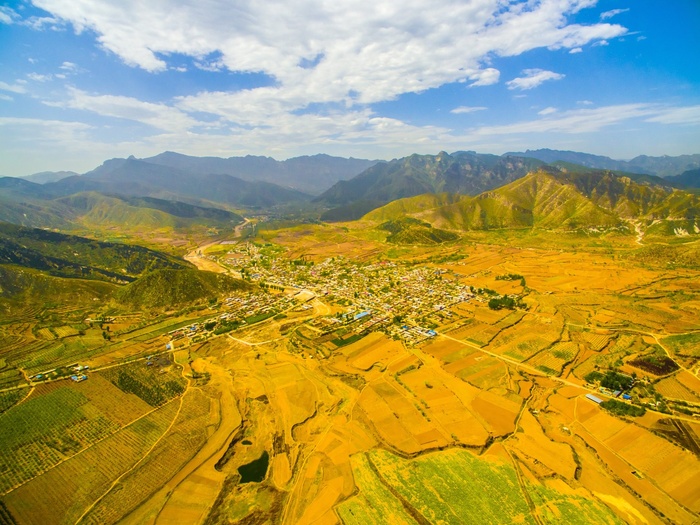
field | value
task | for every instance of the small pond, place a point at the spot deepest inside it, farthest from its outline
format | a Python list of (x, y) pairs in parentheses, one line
[(254, 472)]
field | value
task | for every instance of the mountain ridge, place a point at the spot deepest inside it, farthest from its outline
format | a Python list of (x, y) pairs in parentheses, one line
[(464, 173), (551, 201)]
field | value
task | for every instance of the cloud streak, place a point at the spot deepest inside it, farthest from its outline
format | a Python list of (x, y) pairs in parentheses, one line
[(533, 78), (578, 121), (467, 109), (613, 12)]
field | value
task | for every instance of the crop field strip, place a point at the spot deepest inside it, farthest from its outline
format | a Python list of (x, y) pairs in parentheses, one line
[(54, 426), (41, 432), (186, 435), (61, 494)]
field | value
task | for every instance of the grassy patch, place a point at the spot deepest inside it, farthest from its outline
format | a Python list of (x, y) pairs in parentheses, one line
[(455, 487), (259, 317), (348, 341), (685, 344)]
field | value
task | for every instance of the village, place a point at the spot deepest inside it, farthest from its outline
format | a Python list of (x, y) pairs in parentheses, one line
[(409, 301)]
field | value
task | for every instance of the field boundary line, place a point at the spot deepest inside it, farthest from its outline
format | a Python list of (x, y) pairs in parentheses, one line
[(88, 447), (145, 455)]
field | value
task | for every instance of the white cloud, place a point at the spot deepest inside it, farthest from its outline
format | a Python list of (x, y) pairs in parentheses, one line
[(57, 131), (613, 12), (576, 50), (39, 23), (7, 15), (160, 116), (676, 115), (369, 54), (38, 77), (584, 102), (467, 109), (533, 78), (485, 77), (12, 88), (68, 66), (547, 111), (6, 97)]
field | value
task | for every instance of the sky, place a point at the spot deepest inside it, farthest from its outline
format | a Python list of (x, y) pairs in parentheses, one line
[(82, 81)]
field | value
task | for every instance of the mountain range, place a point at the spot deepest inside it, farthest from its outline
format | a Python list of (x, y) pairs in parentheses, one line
[(663, 166), (307, 174), (554, 200), (462, 172), (470, 173), (176, 191)]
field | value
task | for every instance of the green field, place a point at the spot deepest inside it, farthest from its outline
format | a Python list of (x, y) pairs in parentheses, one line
[(455, 486), (11, 398), (61, 494), (374, 503), (42, 431), (556, 507), (443, 487), (686, 344)]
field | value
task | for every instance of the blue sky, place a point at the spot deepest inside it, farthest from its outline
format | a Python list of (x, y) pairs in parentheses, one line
[(82, 81)]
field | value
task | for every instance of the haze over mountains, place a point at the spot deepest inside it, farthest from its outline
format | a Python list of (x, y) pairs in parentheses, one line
[(663, 166)]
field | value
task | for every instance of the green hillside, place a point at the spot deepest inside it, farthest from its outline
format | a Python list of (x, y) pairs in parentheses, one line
[(408, 230), (72, 256), (176, 288), (635, 199), (574, 199), (537, 200), (400, 208), (25, 286), (96, 210), (28, 204)]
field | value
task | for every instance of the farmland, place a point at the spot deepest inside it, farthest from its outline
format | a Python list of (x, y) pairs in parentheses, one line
[(376, 380)]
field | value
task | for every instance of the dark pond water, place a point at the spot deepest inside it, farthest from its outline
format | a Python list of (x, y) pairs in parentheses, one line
[(254, 472)]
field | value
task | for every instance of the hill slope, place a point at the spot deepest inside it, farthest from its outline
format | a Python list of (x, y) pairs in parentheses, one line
[(569, 200), (463, 172), (72, 256), (688, 179), (632, 200), (408, 230), (169, 288), (94, 209), (537, 200), (22, 286)]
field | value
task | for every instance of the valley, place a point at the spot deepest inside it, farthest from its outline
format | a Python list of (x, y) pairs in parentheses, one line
[(524, 354), (349, 263), (358, 367)]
